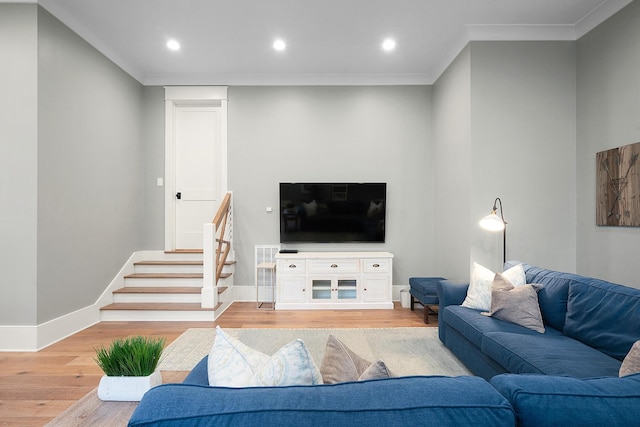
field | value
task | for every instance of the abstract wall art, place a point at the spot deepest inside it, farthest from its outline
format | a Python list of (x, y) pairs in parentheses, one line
[(618, 186)]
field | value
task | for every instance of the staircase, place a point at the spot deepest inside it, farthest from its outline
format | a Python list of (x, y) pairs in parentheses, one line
[(167, 289)]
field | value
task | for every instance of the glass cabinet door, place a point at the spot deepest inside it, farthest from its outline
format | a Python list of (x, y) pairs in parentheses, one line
[(347, 289), (321, 289)]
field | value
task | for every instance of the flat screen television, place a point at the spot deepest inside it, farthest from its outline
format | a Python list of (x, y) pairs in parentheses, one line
[(332, 212)]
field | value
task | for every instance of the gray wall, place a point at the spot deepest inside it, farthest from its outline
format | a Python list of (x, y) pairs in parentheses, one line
[(153, 162), (90, 198), (505, 127), (523, 151), (296, 134), (73, 174), (18, 164), (452, 168), (608, 117)]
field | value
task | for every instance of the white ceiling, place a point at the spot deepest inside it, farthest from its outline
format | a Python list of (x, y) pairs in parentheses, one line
[(228, 42)]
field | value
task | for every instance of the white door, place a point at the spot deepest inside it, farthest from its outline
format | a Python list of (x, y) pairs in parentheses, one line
[(197, 134), (195, 161)]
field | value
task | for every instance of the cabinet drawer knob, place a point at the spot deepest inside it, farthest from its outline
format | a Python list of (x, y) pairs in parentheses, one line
[(293, 266), (376, 265), (334, 265)]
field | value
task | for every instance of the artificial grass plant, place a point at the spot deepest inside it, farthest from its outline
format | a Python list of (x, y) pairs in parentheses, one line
[(134, 356)]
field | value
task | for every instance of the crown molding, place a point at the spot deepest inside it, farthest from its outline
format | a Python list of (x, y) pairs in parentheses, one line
[(603, 12), (287, 79), (71, 20)]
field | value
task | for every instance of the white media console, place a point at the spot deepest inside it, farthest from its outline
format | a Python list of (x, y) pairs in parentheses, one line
[(334, 280)]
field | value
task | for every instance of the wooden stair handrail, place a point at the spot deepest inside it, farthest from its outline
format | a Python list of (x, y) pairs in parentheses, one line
[(221, 223), (223, 210)]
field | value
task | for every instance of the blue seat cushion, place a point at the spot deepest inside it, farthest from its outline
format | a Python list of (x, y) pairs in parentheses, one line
[(473, 326), (441, 401), (550, 353), (541, 400), (424, 289)]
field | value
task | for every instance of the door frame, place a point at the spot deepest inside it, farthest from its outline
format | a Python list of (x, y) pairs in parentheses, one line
[(193, 96)]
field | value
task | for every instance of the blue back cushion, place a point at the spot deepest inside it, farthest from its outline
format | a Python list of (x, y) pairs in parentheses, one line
[(553, 297), (603, 315), (541, 400)]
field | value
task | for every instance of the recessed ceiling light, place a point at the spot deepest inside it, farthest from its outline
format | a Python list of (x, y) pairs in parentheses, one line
[(279, 45), (388, 45), (173, 45)]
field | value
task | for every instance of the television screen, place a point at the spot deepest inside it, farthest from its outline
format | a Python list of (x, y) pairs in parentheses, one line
[(332, 212)]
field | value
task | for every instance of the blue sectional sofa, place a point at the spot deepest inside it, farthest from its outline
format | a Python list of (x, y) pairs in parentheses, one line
[(440, 401), (566, 377), (508, 400), (590, 325)]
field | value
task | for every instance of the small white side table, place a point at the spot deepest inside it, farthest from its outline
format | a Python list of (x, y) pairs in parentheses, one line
[(266, 286)]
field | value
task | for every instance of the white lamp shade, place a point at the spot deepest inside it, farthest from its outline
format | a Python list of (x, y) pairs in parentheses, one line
[(492, 222)]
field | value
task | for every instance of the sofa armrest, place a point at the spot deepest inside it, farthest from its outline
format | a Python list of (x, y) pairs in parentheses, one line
[(551, 400), (451, 292)]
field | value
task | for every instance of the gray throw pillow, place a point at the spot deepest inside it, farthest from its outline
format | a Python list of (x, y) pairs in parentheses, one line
[(340, 364), (631, 363), (517, 305), (377, 369)]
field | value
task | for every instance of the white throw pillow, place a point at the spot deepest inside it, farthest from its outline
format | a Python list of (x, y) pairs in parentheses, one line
[(233, 364), (479, 292), (291, 365)]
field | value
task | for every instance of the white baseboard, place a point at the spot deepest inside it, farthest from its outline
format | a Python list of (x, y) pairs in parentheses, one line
[(35, 338), (118, 280), (67, 325), (244, 293), (18, 338)]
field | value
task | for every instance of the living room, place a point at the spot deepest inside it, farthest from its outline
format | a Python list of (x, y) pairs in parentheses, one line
[(520, 120)]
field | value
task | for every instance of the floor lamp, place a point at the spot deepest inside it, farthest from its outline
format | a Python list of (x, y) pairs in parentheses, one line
[(493, 222)]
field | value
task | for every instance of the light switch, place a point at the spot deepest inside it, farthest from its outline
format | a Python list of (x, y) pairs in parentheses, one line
[(159, 182), (269, 209)]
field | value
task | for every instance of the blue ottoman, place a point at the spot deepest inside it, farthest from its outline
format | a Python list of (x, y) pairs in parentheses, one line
[(423, 290)]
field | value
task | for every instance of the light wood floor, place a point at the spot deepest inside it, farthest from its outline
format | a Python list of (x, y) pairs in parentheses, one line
[(36, 387)]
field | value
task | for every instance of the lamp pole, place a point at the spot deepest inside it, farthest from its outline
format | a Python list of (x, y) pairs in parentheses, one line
[(504, 230), (494, 223)]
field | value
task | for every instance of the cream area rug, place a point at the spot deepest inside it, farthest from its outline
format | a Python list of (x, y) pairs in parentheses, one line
[(406, 351)]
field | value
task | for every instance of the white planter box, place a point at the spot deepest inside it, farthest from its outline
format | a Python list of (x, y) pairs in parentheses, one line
[(127, 389)]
